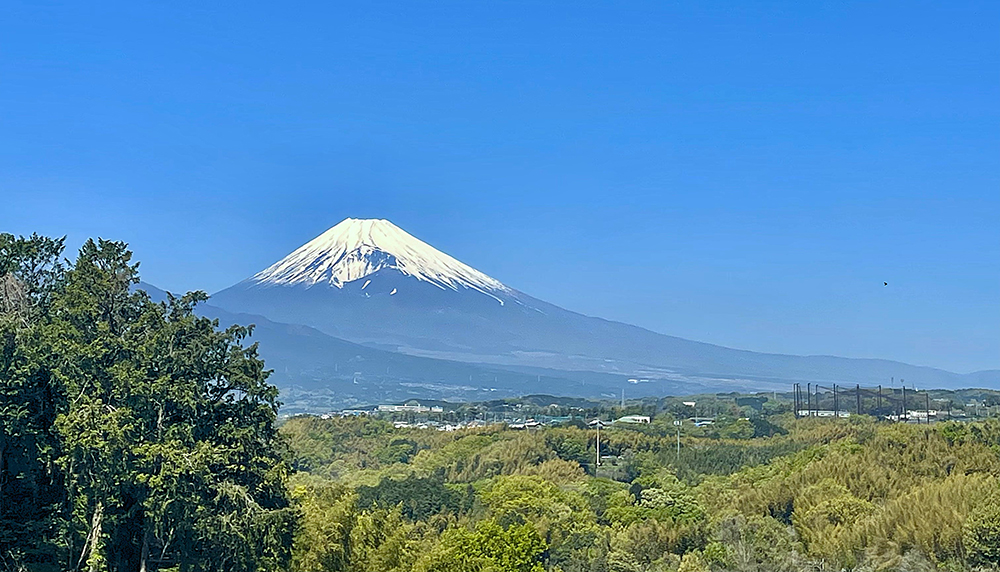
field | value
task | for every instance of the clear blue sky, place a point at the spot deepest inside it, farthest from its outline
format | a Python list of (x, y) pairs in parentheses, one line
[(748, 176)]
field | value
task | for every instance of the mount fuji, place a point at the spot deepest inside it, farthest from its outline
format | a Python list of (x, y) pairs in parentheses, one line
[(371, 283)]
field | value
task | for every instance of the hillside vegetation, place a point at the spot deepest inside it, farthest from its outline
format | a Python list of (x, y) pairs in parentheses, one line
[(818, 495)]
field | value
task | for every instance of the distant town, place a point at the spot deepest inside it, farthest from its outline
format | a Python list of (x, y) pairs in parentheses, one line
[(698, 412)]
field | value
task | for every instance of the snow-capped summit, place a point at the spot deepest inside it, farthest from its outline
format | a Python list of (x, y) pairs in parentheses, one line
[(355, 249)]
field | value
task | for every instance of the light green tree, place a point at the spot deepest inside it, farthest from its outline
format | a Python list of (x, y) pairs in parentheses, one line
[(488, 548)]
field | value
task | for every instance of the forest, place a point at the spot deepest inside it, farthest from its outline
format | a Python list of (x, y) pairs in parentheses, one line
[(138, 436), (814, 495)]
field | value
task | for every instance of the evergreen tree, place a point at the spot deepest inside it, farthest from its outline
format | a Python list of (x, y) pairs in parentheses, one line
[(154, 430), (31, 491)]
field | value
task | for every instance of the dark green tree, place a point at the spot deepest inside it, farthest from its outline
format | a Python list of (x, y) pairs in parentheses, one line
[(418, 497), (170, 453), (147, 434), (31, 491)]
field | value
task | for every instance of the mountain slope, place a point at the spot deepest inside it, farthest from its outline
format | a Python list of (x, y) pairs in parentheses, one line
[(372, 283), (317, 372)]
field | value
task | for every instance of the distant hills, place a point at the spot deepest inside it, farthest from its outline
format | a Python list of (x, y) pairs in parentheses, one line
[(367, 302), (318, 372)]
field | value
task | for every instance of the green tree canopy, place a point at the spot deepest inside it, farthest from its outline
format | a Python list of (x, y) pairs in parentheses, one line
[(158, 428)]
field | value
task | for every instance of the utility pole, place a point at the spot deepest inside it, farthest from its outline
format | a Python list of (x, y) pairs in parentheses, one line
[(677, 424), (597, 423), (903, 415), (598, 445), (857, 393), (809, 397), (927, 406), (836, 403), (878, 413)]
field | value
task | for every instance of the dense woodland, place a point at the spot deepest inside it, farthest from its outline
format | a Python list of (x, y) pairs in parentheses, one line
[(133, 435), (815, 495), (137, 436)]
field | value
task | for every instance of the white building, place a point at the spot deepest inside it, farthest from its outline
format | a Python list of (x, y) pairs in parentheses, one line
[(823, 413), (633, 419), (410, 408)]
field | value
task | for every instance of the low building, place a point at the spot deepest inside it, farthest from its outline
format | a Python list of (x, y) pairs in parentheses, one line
[(918, 415), (823, 413), (409, 408), (633, 419)]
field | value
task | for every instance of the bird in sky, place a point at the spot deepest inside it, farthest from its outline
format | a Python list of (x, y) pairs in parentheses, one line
[(885, 283)]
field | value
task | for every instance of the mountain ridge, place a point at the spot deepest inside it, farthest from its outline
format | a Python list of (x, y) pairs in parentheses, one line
[(318, 372), (393, 305)]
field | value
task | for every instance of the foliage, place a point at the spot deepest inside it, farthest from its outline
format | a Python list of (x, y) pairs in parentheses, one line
[(418, 497), (488, 548), (981, 534), (152, 432), (814, 495)]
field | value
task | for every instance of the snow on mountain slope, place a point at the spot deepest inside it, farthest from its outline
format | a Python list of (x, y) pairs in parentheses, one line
[(356, 249)]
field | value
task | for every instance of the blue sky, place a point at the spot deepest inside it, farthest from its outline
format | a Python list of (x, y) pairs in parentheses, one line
[(747, 174)]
